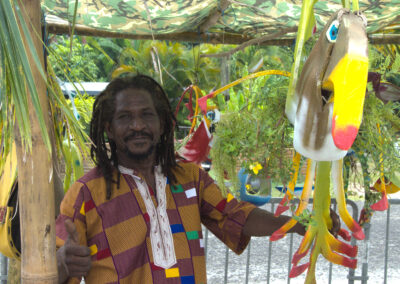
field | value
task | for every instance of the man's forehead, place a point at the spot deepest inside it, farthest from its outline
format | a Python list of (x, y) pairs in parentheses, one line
[(132, 99), (133, 96)]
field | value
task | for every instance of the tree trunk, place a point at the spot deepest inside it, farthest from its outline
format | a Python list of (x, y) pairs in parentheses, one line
[(36, 189)]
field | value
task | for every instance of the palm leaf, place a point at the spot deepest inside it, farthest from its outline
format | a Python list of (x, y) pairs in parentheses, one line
[(16, 79), (95, 44), (73, 27), (8, 78), (68, 125), (18, 74)]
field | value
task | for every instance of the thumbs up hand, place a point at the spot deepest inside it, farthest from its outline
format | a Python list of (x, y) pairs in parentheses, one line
[(73, 260)]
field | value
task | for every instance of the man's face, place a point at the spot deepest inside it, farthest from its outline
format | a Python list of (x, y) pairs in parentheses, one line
[(135, 127)]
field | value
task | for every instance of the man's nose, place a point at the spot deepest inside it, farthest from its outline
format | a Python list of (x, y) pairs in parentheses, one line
[(137, 123)]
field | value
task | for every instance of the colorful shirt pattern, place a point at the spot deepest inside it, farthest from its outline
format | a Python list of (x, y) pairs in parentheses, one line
[(117, 231)]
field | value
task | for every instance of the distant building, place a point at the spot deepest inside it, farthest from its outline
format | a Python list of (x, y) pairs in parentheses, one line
[(89, 88)]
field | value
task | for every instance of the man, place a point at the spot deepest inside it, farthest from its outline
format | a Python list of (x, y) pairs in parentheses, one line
[(136, 217)]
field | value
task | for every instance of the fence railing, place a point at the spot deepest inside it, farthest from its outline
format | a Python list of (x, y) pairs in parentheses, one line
[(218, 255), (3, 269), (268, 272)]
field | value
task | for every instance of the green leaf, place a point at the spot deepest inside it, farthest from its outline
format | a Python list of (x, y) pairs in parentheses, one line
[(23, 62)]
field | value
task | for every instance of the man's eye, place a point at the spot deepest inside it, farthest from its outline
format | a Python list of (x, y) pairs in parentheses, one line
[(123, 116)]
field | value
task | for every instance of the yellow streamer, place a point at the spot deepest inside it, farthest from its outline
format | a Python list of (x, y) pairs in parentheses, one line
[(251, 76), (383, 187)]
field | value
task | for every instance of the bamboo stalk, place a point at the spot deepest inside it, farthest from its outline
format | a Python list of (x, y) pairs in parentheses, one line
[(62, 27), (36, 190), (254, 41), (214, 38), (384, 39)]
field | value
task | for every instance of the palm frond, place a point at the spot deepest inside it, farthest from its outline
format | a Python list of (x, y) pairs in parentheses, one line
[(17, 73), (17, 83)]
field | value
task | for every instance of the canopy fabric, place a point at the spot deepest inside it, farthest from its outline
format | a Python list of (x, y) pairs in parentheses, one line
[(252, 18)]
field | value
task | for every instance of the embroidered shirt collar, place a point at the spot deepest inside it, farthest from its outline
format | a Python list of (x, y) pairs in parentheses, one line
[(131, 172), (161, 238)]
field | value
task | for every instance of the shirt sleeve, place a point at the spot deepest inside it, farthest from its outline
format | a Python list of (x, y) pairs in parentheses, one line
[(72, 208), (225, 217)]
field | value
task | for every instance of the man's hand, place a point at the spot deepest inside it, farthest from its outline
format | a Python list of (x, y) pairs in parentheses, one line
[(73, 260), (301, 229), (335, 223)]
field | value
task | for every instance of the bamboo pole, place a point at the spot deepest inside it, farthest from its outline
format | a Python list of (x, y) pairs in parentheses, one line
[(254, 41), (62, 27), (36, 190), (214, 38)]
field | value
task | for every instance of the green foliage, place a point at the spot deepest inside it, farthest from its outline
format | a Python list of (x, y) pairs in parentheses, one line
[(253, 128), (84, 106), (376, 146), (274, 57), (17, 83), (17, 80), (369, 140), (384, 60), (67, 128), (83, 62), (306, 217), (74, 163), (386, 116)]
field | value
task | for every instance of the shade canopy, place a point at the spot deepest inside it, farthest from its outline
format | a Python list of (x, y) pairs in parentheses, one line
[(214, 21)]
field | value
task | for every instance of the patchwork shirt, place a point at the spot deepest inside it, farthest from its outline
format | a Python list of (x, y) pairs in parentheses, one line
[(129, 241)]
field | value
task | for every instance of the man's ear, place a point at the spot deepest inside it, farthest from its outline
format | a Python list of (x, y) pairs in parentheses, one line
[(108, 130)]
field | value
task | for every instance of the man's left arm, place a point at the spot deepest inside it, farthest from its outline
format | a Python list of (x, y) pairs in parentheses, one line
[(263, 223)]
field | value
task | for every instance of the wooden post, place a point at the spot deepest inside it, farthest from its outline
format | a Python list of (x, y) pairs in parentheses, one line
[(35, 178)]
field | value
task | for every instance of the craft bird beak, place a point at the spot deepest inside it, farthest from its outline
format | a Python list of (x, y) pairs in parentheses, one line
[(346, 77)]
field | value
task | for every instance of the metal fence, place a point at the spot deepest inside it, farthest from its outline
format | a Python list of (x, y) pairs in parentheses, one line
[(243, 269), (376, 264), (3, 269)]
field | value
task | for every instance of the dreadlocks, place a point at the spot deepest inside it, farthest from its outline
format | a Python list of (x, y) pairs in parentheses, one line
[(103, 111)]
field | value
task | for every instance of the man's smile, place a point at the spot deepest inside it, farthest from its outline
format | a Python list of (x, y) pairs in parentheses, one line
[(138, 137)]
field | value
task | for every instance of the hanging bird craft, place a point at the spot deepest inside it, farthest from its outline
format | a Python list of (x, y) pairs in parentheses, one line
[(326, 111), (198, 145)]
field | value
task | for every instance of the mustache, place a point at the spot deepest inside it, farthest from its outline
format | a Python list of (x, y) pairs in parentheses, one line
[(137, 134)]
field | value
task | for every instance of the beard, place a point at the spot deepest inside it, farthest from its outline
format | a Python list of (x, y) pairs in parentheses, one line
[(141, 156)]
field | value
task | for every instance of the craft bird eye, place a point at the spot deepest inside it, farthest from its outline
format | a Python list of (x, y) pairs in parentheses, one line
[(214, 115), (332, 31)]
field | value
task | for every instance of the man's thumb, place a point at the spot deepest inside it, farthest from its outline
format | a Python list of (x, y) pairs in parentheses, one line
[(71, 230)]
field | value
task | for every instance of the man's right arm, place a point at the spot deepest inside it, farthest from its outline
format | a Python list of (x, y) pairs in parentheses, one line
[(73, 255)]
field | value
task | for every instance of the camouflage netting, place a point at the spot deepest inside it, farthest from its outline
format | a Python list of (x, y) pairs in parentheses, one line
[(249, 17)]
